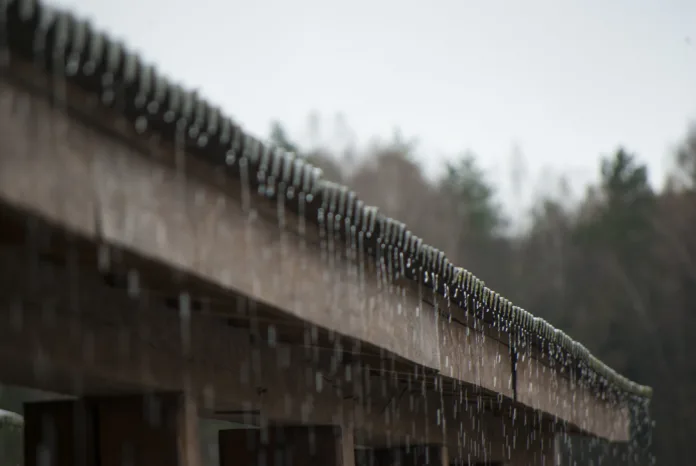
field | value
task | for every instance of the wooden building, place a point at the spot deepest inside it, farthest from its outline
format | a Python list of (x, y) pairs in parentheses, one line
[(161, 267)]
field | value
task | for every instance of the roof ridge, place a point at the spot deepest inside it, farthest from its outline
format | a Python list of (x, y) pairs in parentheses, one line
[(56, 40)]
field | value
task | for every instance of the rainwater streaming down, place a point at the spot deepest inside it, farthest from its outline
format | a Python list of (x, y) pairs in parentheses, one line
[(206, 298)]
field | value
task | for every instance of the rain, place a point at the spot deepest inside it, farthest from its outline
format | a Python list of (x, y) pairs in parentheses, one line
[(176, 290)]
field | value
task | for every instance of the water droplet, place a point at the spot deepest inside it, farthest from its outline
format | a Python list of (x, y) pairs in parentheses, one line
[(141, 124)]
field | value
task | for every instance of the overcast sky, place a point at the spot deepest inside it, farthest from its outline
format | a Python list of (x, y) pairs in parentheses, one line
[(565, 81)]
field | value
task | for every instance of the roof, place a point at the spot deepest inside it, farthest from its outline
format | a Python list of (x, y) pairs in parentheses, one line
[(71, 49)]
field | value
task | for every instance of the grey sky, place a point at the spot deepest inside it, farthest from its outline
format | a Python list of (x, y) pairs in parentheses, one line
[(566, 81)]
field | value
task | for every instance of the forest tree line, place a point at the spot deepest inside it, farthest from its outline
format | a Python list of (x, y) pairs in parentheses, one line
[(616, 270)]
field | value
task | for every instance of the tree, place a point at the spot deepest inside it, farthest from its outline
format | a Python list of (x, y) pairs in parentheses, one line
[(614, 264), (628, 204), (686, 159), (476, 221), (280, 138), (472, 198), (542, 262), (390, 179), (330, 168)]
